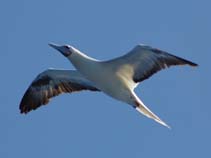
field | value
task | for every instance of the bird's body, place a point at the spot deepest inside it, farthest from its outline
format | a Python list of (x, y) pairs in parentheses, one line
[(99, 73), (117, 77)]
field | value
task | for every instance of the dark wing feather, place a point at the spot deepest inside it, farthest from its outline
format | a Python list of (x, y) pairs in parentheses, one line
[(51, 83), (156, 61)]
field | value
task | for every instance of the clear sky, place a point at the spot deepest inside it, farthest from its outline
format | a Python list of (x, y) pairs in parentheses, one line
[(90, 124)]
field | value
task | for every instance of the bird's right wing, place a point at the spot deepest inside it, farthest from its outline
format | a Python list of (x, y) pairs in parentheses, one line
[(144, 61), (51, 83)]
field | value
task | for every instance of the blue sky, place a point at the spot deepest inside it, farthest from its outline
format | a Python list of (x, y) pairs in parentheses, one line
[(91, 124)]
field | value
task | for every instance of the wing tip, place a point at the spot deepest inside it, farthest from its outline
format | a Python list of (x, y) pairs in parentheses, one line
[(24, 109), (23, 112), (194, 64), (191, 63)]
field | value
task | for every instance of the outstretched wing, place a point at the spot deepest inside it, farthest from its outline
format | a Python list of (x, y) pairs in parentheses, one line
[(143, 61), (51, 83)]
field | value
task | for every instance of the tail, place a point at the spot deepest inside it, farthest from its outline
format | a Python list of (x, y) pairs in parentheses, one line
[(140, 107)]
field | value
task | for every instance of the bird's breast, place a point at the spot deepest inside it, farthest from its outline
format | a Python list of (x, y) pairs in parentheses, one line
[(105, 77)]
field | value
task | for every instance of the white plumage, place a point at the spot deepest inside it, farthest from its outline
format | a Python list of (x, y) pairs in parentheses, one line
[(117, 77)]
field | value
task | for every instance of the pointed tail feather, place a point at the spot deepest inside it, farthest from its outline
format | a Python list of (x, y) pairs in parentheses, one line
[(147, 112)]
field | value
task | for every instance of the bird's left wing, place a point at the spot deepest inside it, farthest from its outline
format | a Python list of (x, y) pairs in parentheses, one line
[(143, 61), (51, 83)]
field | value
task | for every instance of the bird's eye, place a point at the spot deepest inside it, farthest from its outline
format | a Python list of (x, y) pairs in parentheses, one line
[(67, 47)]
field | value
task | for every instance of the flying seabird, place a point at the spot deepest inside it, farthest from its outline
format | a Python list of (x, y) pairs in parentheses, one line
[(117, 77)]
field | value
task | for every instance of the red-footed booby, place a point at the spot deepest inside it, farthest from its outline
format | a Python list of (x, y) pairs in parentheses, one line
[(117, 77)]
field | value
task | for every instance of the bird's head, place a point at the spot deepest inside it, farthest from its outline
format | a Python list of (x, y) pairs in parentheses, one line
[(66, 50)]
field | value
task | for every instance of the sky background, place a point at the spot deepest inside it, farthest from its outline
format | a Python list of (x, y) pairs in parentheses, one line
[(90, 124)]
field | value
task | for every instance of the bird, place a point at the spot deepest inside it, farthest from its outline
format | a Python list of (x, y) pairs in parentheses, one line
[(116, 77)]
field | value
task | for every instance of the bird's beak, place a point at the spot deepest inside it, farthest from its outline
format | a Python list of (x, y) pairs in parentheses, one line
[(55, 46), (61, 49)]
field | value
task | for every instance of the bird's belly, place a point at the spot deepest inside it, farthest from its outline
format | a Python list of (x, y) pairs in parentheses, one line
[(111, 83), (115, 88)]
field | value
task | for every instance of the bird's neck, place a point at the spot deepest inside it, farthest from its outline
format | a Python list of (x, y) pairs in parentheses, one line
[(81, 60)]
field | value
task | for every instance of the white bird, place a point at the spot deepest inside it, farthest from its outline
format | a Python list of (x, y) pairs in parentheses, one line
[(117, 77)]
